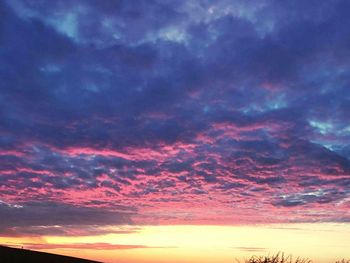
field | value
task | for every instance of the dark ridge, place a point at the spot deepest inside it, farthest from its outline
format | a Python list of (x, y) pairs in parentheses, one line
[(17, 255)]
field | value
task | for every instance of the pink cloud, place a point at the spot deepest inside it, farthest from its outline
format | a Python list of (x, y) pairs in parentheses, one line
[(94, 246)]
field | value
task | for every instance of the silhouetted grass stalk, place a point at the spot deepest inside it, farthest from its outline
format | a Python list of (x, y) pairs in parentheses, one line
[(281, 258)]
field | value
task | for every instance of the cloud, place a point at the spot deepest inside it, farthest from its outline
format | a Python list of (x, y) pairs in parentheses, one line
[(113, 113), (59, 219), (94, 246), (250, 249)]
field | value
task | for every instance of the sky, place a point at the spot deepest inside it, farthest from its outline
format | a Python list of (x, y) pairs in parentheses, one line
[(122, 119)]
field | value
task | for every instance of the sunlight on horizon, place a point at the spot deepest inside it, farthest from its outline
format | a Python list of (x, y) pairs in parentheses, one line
[(324, 242)]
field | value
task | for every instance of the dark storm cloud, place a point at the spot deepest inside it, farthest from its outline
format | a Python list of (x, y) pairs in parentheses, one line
[(132, 102)]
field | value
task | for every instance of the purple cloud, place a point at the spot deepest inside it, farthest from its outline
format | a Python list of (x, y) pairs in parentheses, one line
[(119, 113)]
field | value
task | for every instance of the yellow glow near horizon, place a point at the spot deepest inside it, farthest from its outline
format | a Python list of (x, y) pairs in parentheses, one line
[(186, 243)]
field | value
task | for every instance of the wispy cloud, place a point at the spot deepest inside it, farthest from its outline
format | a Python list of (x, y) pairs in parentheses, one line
[(94, 246), (250, 249)]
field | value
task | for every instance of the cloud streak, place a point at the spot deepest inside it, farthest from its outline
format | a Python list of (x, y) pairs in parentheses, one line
[(94, 246)]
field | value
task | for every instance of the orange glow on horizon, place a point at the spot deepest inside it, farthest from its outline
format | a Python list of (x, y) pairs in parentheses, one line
[(324, 242)]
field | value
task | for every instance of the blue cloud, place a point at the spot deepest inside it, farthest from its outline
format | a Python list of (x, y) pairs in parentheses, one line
[(174, 99)]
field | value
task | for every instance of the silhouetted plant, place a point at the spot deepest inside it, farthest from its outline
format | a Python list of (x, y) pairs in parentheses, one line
[(343, 261), (279, 258)]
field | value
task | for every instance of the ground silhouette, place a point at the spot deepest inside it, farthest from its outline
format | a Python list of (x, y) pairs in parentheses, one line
[(17, 255)]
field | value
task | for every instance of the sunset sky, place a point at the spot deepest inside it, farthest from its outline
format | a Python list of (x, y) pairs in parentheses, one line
[(175, 131)]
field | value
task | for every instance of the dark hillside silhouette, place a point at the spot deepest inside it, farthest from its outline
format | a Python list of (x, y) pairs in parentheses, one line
[(16, 255)]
